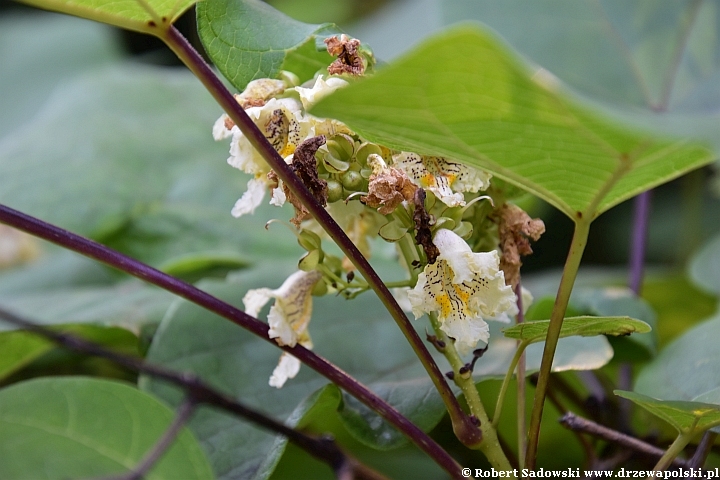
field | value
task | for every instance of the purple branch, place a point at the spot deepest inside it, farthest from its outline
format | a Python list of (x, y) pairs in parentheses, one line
[(115, 259), (467, 432), (641, 219)]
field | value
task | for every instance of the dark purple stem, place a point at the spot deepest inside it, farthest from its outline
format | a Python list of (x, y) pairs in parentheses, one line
[(641, 219), (468, 433), (115, 259)]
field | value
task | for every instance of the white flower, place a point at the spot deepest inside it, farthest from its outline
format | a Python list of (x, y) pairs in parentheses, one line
[(465, 289), (288, 318), (320, 90), (283, 123), (446, 179)]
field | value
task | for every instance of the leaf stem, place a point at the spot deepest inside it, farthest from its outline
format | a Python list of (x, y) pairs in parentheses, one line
[(521, 383), (189, 56), (110, 257), (572, 264), (674, 450), (506, 381), (490, 445)]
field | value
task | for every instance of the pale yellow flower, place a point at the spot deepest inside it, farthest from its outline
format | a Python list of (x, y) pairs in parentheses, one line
[(288, 318), (464, 289)]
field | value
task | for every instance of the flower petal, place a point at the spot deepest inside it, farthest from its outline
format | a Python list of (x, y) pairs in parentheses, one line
[(254, 300), (251, 199), (288, 367)]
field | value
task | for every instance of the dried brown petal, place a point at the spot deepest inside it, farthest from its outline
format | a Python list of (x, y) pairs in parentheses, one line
[(349, 60), (388, 189), (423, 235), (305, 167), (516, 229)]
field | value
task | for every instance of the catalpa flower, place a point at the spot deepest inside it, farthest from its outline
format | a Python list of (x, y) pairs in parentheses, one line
[(288, 318), (446, 179), (465, 289), (284, 125)]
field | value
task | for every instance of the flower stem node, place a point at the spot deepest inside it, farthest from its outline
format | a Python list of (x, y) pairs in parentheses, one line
[(288, 318), (465, 289)]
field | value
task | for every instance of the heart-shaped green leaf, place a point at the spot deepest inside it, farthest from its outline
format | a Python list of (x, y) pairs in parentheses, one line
[(146, 16), (584, 326), (73, 427), (464, 95), (248, 39), (686, 417)]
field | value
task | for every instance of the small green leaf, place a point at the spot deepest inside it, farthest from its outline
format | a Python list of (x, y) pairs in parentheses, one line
[(73, 427), (464, 95), (684, 416), (148, 16), (584, 326), (248, 39)]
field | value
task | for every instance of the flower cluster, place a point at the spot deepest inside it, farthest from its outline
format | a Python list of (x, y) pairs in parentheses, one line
[(372, 191)]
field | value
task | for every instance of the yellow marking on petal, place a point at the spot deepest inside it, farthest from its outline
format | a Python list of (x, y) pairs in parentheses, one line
[(461, 294), (428, 179), (445, 306), (288, 149)]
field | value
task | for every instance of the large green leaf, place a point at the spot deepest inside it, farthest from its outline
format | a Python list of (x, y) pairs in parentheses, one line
[(464, 95), (684, 416), (19, 348), (140, 15), (248, 39), (73, 427), (32, 46), (584, 326), (128, 153), (687, 367), (659, 58), (356, 335)]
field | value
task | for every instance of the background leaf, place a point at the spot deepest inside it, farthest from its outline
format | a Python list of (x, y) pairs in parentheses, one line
[(684, 369), (20, 348), (462, 95), (128, 153), (248, 39), (684, 416), (69, 427)]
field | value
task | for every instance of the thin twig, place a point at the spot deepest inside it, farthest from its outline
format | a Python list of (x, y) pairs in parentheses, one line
[(703, 450), (579, 424), (182, 415), (641, 217)]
